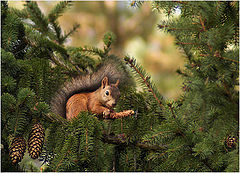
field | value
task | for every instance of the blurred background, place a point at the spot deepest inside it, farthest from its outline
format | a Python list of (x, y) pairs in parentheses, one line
[(137, 35)]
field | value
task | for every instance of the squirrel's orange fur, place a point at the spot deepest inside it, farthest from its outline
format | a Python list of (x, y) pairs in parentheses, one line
[(100, 101)]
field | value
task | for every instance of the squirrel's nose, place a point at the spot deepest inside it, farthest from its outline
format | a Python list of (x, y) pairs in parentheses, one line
[(114, 104)]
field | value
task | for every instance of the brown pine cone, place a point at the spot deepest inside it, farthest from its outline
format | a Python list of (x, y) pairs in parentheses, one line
[(231, 141), (36, 140), (17, 149)]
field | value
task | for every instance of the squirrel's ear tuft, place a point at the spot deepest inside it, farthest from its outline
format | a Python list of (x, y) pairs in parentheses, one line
[(104, 82), (116, 84)]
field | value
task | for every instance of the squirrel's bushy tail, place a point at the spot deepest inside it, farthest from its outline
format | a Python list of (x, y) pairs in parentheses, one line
[(86, 83)]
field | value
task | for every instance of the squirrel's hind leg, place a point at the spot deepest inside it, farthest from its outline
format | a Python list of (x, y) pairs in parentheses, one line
[(76, 104)]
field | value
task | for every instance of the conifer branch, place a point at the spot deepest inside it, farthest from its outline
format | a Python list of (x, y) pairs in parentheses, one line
[(163, 26), (86, 139), (181, 2), (37, 16), (182, 73), (174, 116), (170, 108), (58, 10), (202, 23), (16, 123), (204, 29), (110, 139), (58, 62), (183, 43), (145, 79), (57, 118), (92, 50), (227, 91), (155, 135), (169, 29), (136, 3), (175, 29), (20, 13), (117, 140), (75, 27), (59, 164), (58, 31), (224, 58)]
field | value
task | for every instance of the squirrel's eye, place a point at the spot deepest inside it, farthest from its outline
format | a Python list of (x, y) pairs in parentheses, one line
[(107, 92)]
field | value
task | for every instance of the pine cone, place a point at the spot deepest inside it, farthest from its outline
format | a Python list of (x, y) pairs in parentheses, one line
[(17, 149), (36, 140), (231, 141)]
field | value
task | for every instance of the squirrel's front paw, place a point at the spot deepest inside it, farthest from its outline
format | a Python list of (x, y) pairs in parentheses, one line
[(106, 113)]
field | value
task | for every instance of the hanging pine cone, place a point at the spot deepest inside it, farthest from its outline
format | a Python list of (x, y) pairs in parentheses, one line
[(17, 149), (231, 141), (35, 141)]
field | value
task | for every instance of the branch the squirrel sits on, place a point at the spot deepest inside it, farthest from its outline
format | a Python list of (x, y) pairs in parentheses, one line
[(97, 93)]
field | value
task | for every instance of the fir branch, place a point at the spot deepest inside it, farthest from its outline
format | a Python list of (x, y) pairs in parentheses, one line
[(77, 67), (181, 2), (20, 13), (180, 72), (58, 31), (108, 39), (204, 29), (37, 16), (91, 50), (34, 39), (183, 43), (117, 140), (157, 134), (58, 10), (217, 56), (202, 23), (175, 29), (110, 139), (75, 27), (57, 48), (171, 109), (136, 3), (20, 123), (164, 26), (55, 13), (60, 162), (170, 106), (56, 118), (86, 139), (145, 79), (56, 60)]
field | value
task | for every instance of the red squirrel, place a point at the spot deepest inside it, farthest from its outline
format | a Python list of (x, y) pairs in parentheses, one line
[(100, 101), (97, 93)]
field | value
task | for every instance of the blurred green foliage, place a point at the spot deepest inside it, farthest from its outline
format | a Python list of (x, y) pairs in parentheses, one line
[(136, 32)]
